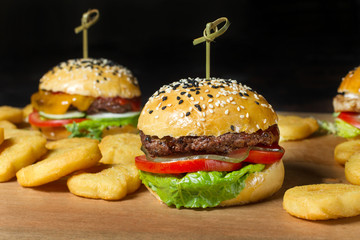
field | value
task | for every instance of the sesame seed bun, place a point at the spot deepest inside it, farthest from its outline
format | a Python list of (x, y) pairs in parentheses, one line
[(258, 186), (91, 77), (200, 107), (351, 82)]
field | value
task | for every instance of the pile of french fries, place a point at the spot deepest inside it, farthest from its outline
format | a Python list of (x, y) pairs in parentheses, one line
[(104, 170)]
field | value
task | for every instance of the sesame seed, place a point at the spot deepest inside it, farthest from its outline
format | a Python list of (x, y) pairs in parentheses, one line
[(232, 127), (257, 103), (211, 106), (202, 119), (210, 100), (196, 102), (198, 124), (242, 107), (197, 92), (238, 108), (187, 114), (192, 99), (206, 90), (181, 114), (151, 111), (163, 108), (226, 111), (247, 115), (211, 111), (217, 104), (169, 105), (204, 106), (246, 94), (189, 95), (182, 93), (257, 125), (156, 116), (181, 101), (198, 107), (264, 120), (264, 105), (242, 116), (217, 95), (201, 98), (210, 96), (204, 115), (178, 98)]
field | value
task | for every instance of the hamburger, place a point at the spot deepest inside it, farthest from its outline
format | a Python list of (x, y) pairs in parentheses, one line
[(347, 105), (209, 143), (86, 98)]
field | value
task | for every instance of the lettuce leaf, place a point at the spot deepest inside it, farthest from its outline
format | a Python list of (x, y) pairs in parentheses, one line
[(94, 128), (346, 130), (326, 127), (199, 189)]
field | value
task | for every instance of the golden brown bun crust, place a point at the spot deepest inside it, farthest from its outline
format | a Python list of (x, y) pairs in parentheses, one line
[(351, 82), (258, 186), (212, 110), (91, 77)]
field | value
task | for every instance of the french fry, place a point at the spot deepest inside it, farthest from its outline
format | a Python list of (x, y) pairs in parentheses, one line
[(120, 148), (323, 201), (19, 151), (352, 169), (296, 128), (65, 156), (11, 114), (8, 133), (345, 150), (112, 183), (26, 112), (1, 135), (117, 177), (7, 125)]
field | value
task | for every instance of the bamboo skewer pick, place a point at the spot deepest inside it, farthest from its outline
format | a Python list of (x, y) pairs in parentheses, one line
[(210, 33), (87, 20)]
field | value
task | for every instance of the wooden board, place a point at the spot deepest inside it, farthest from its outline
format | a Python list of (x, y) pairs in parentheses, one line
[(51, 212)]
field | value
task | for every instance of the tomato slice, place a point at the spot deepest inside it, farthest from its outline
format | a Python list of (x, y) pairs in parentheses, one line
[(135, 103), (35, 119), (351, 118), (195, 165), (264, 155)]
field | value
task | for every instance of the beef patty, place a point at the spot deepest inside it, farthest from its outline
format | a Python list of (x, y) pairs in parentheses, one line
[(108, 105), (222, 144)]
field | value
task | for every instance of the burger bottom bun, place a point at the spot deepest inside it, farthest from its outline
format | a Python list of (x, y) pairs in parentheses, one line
[(54, 133), (57, 133), (258, 186)]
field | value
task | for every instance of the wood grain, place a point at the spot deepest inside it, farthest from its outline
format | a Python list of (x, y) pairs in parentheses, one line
[(51, 212)]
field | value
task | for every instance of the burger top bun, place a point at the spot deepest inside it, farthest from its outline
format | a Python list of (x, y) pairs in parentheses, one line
[(351, 82), (91, 77), (200, 107)]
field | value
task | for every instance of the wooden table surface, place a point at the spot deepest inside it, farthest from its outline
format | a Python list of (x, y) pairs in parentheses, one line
[(51, 212)]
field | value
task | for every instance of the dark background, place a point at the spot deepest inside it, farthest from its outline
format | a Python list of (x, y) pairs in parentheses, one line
[(294, 53)]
